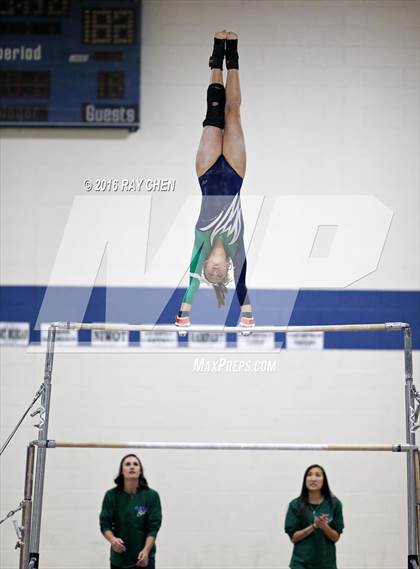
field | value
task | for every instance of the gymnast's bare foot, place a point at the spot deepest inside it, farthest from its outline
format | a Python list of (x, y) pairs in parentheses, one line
[(232, 57), (218, 55), (221, 35)]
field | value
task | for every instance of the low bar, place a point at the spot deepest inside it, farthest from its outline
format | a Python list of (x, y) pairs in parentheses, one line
[(400, 447), (387, 326)]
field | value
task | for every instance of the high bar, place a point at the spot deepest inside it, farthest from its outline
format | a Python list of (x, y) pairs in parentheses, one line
[(387, 326), (400, 447)]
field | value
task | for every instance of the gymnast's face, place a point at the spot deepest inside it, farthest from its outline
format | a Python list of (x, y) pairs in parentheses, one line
[(216, 267), (314, 479), (131, 468)]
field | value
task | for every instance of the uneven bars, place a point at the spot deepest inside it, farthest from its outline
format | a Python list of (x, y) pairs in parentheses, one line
[(387, 326), (400, 447)]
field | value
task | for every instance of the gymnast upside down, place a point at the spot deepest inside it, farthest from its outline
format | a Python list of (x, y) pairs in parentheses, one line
[(220, 166)]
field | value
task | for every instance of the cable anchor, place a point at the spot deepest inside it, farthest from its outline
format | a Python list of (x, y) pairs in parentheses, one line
[(12, 513)]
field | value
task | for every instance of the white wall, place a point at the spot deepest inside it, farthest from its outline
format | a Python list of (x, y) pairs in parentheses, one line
[(330, 94)]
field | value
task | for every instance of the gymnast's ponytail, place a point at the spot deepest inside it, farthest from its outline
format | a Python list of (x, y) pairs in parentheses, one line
[(220, 291)]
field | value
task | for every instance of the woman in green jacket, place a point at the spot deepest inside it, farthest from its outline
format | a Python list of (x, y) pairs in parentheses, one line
[(131, 517), (314, 522)]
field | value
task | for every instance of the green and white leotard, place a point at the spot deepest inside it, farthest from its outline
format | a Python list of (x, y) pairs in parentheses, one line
[(220, 219)]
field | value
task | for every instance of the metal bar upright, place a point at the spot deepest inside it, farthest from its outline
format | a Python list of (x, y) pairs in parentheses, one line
[(417, 469), (27, 507), (413, 559), (41, 454)]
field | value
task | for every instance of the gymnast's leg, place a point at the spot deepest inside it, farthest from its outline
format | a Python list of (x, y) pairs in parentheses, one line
[(210, 147), (235, 153), (233, 138)]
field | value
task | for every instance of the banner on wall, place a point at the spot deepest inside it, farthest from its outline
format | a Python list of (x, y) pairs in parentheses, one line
[(256, 341), (63, 338), (207, 340), (158, 340), (305, 340), (110, 338), (14, 333)]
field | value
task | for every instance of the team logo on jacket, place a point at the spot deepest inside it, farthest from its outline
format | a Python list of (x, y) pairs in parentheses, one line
[(140, 510)]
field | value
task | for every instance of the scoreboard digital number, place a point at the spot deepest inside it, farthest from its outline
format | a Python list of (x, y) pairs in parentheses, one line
[(70, 63)]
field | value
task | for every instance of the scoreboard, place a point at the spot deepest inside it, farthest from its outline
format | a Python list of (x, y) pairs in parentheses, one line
[(70, 63)]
